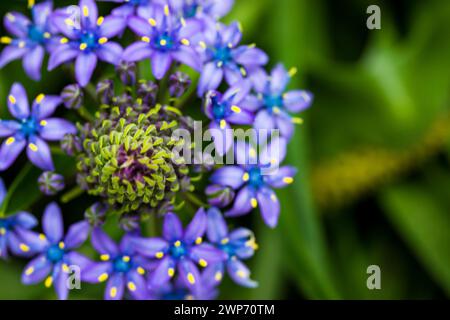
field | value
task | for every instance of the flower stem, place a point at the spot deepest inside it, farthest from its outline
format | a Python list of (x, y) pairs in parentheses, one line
[(192, 198), (74, 193), (16, 183), (85, 114)]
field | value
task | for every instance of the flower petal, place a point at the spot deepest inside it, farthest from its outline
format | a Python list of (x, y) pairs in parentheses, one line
[(115, 287), (240, 274), (242, 203), (210, 78), (213, 274), (24, 219), (110, 52), (103, 243), (208, 253), (33, 241), (84, 68), (251, 57), (196, 228), (8, 128), (136, 285), (11, 53), (264, 121), (172, 227), (222, 137), (52, 223), (41, 13), (60, 277), (139, 26), (269, 206), (16, 24), (18, 102), (46, 106), (217, 227), (89, 13), (39, 154), (2, 191), (32, 62), (96, 272), (273, 153), (189, 274), (279, 79), (189, 57), (77, 235), (112, 26), (36, 270), (149, 247), (163, 272), (137, 51), (232, 35), (55, 129), (297, 100), (231, 176), (61, 55), (9, 152), (77, 259), (161, 62)]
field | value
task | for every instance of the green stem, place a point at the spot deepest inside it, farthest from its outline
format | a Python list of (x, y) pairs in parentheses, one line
[(85, 114), (192, 198), (91, 91), (17, 181), (75, 192)]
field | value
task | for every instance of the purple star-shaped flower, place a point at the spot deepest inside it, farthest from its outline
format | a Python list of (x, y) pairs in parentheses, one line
[(273, 104), (224, 110), (30, 129), (180, 251), (224, 57), (237, 245), (9, 228), (86, 41), (164, 38), (55, 252), (31, 38), (254, 177), (214, 9), (122, 267)]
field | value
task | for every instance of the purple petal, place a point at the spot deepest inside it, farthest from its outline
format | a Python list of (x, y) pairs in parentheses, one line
[(298, 100), (210, 78), (139, 26), (84, 67), (113, 26), (36, 270), (61, 55), (243, 117), (208, 253), (89, 13), (2, 191), (39, 154), (79, 260), (279, 79), (213, 274), (25, 220), (55, 129), (16, 24), (58, 21), (96, 272), (269, 206), (196, 228), (137, 51), (44, 108), (52, 223), (41, 13), (240, 273), (242, 203), (251, 57), (103, 243), (189, 274), (161, 62), (245, 154), (33, 240), (110, 52), (172, 227), (189, 57), (260, 79), (284, 123), (8, 128), (220, 8), (231, 176), (32, 62), (217, 227), (77, 235), (232, 34), (222, 137), (9, 152), (115, 287), (233, 75), (149, 247), (136, 285), (18, 102), (281, 178), (274, 153), (11, 53), (163, 272), (125, 10), (251, 103), (264, 121), (60, 282)]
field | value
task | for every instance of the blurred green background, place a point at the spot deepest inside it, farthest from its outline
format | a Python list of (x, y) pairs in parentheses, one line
[(373, 155)]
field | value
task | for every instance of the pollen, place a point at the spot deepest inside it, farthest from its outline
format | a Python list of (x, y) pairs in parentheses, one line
[(177, 243), (61, 245), (297, 120), (64, 40), (225, 241), (5, 40), (163, 42), (185, 42), (152, 22), (236, 109), (83, 46), (223, 124), (254, 202), (104, 257), (146, 39), (65, 268), (42, 237), (85, 11), (292, 72), (126, 259), (191, 278), (103, 40), (48, 282), (203, 263), (218, 276), (288, 180), (159, 255), (2, 231), (103, 277), (39, 98), (69, 22), (113, 292), (166, 10), (140, 270), (100, 20), (241, 274), (29, 271), (246, 177), (47, 35), (12, 99), (10, 17), (24, 247), (171, 272), (131, 286), (10, 140), (199, 240)]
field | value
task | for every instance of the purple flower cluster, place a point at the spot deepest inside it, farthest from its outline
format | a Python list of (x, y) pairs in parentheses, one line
[(185, 262)]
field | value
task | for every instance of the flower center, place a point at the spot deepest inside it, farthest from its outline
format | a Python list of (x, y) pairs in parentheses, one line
[(138, 2), (5, 225), (178, 250), (90, 39), (55, 253), (272, 102), (220, 110), (255, 178), (29, 127), (228, 249), (35, 34), (122, 264), (223, 55), (164, 42)]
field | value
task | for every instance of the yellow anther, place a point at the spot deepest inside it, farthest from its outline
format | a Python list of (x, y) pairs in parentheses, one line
[(113, 292), (131, 286), (40, 97), (218, 276), (30, 4), (152, 22), (185, 42), (104, 257), (199, 240), (65, 268), (103, 277), (203, 263), (166, 10), (163, 42), (83, 46), (47, 35), (29, 271), (177, 243), (69, 22), (225, 241), (12, 99), (10, 17), (64, 40), (252, 152), (42, 237), (48, 282), (276, 110), (10, 140), (61, 245), (100, 20), (2, 231), (236, 109), (241, 274), (202, 44), (24, 247), (296, 120), (146, 39), (288, 180), (246, 177), (22, 44), (5, 40), (140, 270), (254, 202), (191, 278), (159, 255), (171, 272), (85, 11), (292, 72), (103, 40), (243, 71), (126, 259), (223, 124)]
